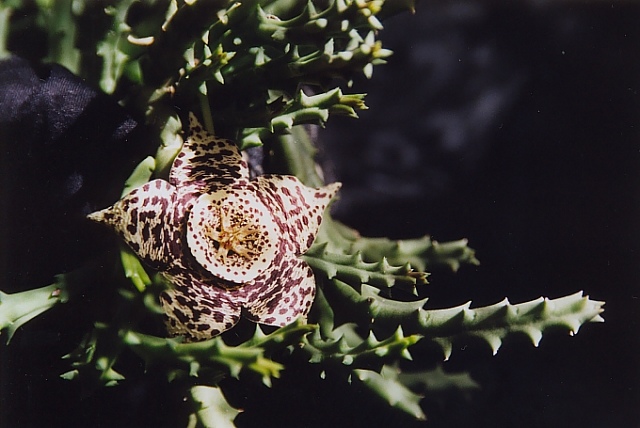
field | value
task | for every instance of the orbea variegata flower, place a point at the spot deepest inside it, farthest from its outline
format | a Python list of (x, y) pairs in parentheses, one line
[(227, 243)]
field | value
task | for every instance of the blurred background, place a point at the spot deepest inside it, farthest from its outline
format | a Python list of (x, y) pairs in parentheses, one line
[(513, 124)]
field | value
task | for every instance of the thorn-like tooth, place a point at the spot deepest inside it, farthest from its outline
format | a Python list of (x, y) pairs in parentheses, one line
[(468, 314), (370, 38), (375, 23), (446, 346), (321, 23), (495, 342), (311, 8), (368, 70), (266, 380), (99, 216), (574, 325), (406, 354), (329, 47), (535, 335)]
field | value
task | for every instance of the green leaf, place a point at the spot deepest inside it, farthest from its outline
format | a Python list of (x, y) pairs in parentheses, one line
[(351, 268), (215, 358), (114, 61), (423, 253), (490, 323), (493, 323), (436, 382), (386, 386), (133, 269), (62, 28), (212, 409), (170, 146), (114, 49), (140, 175), (345, 346), (303, 109), (93, 359), (16, 309), (165, 57), (5, 16)]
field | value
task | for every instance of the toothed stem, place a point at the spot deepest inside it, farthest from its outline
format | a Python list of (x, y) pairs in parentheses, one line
[(351, 268), (16, 309), (491, 323)]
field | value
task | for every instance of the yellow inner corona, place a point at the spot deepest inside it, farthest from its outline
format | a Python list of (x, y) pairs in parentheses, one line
[(235, 235)]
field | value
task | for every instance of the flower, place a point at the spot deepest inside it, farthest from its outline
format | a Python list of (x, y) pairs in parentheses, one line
[(228, 244)]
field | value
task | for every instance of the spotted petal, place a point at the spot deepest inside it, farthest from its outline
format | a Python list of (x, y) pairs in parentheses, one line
[(205, 162), (297, 209), (148, 220), (281, 296), (198, 310)]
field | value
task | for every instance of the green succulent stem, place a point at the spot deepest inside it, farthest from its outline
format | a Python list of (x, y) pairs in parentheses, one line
[(353, 269), (16, 309), (5, 16), (210, 408), (491, 323), (190, 21), (214, 359), (386, 387)]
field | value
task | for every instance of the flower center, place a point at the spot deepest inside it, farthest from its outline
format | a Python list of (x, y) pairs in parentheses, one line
[(232, 235)]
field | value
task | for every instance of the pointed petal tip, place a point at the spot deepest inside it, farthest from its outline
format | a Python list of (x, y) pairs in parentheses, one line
[(97, 216), (325, 193), (333, 188)]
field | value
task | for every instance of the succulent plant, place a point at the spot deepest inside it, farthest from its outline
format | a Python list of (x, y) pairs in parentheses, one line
[(206, 242)]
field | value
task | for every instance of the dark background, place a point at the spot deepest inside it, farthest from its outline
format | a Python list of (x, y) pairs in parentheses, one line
[(516, 126)]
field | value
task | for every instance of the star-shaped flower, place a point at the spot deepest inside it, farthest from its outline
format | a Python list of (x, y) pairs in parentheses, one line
[(227, 243)]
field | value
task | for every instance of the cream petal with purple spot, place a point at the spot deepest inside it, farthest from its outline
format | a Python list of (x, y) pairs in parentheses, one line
[(281, 300), (206, 163), (198, 311), (300, 207)]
